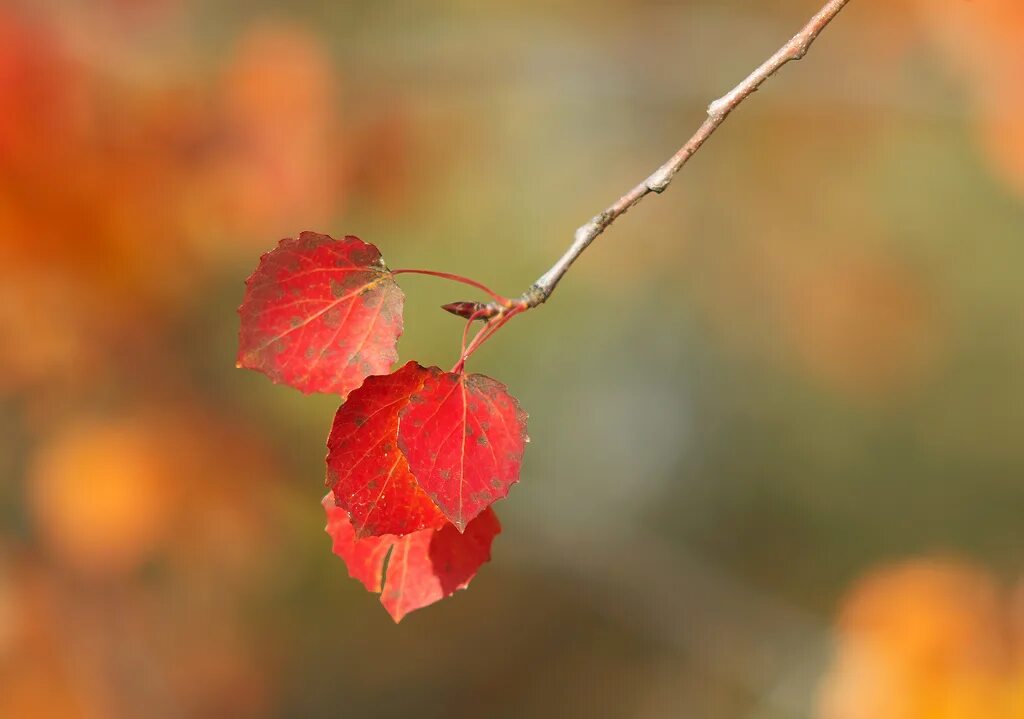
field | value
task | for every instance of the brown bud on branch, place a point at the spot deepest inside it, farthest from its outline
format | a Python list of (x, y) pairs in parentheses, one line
[(472, 310)]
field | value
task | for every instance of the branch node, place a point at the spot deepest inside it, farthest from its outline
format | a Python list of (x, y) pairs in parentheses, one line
[(716, 108), (659, 181), (535, 296), (585, 232)]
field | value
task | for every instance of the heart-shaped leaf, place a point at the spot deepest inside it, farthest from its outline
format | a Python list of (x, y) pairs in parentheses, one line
[(367, 473), (321, 314), (422, 567), (464, 437)]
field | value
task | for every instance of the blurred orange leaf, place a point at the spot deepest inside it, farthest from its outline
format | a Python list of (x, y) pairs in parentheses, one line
[(924, 640), (100, 494), (984, 41)]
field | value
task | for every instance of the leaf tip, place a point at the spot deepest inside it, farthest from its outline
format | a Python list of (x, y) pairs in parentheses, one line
[(397, 615)]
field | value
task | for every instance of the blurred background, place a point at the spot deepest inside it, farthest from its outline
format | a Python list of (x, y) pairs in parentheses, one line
[(777, 466)]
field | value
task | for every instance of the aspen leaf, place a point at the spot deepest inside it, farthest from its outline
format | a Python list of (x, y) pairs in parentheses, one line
[(366, 471), (421, 568), (321, 314), (464, 437)]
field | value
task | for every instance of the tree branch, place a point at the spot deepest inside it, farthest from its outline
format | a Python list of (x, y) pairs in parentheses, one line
[(718, 110)]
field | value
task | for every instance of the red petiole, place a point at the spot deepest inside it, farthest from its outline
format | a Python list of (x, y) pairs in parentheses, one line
[(493, 323), (486, 332), (458, 278)]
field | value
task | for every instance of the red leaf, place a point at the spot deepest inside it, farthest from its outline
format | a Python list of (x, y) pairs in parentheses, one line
[(367, 473), (321, 314), (364, 557), (464, 436), (424, 567), (430, 565)]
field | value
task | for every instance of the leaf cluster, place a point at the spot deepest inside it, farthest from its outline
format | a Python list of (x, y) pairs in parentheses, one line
[(416, 457)]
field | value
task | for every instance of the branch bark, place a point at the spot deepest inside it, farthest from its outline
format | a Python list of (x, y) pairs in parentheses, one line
[(658, 181)]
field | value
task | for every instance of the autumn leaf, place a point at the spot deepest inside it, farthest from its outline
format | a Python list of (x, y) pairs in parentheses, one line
[(422, 567), (366, 471), (321, 314), (464, 437), (363, 557)]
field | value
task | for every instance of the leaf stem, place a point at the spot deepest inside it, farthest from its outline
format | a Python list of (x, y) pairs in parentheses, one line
[(486, 332), (465, 335), (498, 299)]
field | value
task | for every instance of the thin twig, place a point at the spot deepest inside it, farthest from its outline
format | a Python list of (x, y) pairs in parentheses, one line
[(718, 110)]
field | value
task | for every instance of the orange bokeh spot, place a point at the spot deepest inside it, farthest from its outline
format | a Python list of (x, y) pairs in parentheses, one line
[(1000, 121), (99, 495), (861, 326), (926, 640), (280, 165), (984, 41)]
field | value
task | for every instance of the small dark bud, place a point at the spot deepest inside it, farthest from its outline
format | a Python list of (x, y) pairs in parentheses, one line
[(468, 309)]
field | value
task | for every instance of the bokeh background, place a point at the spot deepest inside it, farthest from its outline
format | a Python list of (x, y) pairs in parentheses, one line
[(777, 466)]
